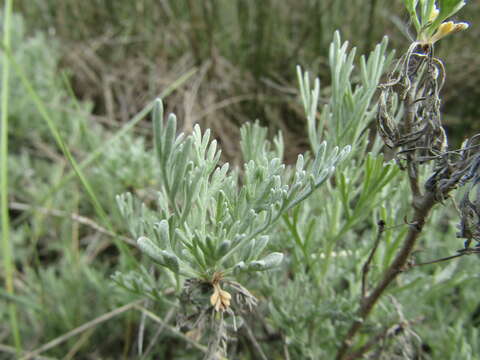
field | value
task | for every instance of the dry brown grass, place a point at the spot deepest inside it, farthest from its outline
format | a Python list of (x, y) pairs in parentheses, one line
[(123, 54)]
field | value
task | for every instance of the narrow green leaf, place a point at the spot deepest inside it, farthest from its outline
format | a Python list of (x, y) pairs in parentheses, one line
[(158, 126), (152, 250)]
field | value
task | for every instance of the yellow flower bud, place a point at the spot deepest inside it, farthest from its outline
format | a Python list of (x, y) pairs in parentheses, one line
[(447, 28)]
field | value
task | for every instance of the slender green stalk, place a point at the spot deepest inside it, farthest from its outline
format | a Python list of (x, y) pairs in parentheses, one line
[(5, 221), (77, 169), (64, 148), (66, 151)]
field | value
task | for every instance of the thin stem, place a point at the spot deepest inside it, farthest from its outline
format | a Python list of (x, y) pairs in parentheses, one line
[(292, 227), (75, 217), (13, 351), (254, 341), (153, 341), (5, 219), (286, 353), (78, 330), (172, 329), (462, 252), (366, 266)]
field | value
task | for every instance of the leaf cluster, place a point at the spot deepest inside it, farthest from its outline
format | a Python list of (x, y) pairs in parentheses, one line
[(209, 219)]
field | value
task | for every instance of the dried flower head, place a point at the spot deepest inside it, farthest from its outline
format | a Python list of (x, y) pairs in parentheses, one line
[(220, 299)]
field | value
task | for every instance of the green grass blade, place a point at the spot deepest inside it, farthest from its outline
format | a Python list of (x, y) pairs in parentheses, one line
[(5, 220), (65, 150)]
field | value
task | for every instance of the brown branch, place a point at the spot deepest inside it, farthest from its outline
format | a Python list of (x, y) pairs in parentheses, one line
[(424, 205)]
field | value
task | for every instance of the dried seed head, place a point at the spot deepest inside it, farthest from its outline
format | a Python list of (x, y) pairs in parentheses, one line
[(220, 299)]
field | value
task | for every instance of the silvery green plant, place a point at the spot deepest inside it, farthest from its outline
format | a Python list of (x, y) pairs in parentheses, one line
[(212, 219), (360, 186), (350, 108), (211, 223)]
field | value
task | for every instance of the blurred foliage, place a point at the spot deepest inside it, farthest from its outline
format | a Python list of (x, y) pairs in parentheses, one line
[(125, 52), (119, 55)]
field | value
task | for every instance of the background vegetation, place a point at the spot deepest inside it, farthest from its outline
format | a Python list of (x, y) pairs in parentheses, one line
[(95, 66)]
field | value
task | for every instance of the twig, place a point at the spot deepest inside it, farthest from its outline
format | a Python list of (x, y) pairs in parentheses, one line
[(75, 217), (217, 340), (366, 266), (12, 350), (254, 341), (153, 341), (462, 252), (171, 328), (141, 331), (80, 329), (78, 345)]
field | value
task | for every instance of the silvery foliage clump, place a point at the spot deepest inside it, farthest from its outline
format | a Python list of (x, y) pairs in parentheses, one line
[(209, 218), (330, 235)]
